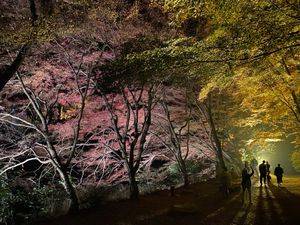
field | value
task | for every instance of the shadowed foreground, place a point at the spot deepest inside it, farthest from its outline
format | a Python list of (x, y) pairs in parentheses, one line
[(200, 204), (271, 205)]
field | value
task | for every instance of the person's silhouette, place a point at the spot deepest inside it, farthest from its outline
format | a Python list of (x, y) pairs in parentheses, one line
[(268, 176), (278, 173), (246, 181), (268, 167), (262, 172)]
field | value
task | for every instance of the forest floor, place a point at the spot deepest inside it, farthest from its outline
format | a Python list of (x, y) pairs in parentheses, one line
[(200, 204)]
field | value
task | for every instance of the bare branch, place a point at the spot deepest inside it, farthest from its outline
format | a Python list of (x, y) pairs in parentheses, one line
[(22, 163)]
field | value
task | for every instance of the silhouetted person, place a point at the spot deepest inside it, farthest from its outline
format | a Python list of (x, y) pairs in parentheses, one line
[(263, 172), (268, 167), (268, 176), (246, 181), (254, 165), (278, 173)]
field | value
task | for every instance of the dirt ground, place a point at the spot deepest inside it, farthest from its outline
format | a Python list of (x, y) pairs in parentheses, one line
[(200, 204)]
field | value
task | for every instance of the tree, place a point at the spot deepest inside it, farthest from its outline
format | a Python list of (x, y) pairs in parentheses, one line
[(269, 94), (246, 28), (45, 138), (214, 133), (7, 72), (174, 141), (137, 87), (242, 33), (295, 158), (21, 33), (131, 132)]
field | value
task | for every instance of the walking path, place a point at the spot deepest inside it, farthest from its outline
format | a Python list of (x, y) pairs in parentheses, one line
[(199, 204), (271, 206)]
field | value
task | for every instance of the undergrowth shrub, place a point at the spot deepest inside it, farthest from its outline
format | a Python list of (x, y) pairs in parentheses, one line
[(19, 207)]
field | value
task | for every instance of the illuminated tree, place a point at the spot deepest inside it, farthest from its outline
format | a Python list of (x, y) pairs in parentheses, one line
[(295, 158), (173, 139), (44, 148), (131, 126)]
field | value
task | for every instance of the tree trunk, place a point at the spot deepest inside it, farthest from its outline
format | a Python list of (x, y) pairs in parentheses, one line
[(7, 73), (74, 203), (215, 135), (182, 165), (134, 189), (185, 175), (296, 101), (293, 93), (34, 15)]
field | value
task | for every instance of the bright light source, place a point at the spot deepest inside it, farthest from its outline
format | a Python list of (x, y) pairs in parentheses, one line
[(273, 140)]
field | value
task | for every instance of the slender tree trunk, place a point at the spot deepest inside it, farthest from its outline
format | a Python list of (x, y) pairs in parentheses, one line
[(293, 93), (134, 189), (7, 72), (188, 111), (215, 135), (34, 15), (74, 203), (185, 179), (175, 145), (184, 172), (296, 101)]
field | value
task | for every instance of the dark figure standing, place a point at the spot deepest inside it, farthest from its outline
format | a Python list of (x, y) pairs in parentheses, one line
[(263, 172), (278, 173), (246, 181), (268, 173), (268, 167)]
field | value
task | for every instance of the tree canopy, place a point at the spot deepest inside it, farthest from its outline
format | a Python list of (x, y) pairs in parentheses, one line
[(246, 49)]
